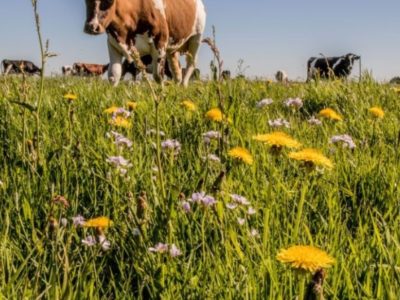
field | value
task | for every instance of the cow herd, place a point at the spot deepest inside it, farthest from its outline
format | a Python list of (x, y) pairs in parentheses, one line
[(160, 31)]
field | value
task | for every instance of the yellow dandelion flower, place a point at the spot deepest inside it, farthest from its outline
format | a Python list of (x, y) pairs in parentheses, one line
[(215, 114), (131, 105), (120, 122), (100, 222), (241, 154), (70, 97), (377, 112), (278, 139), (189, 105), (313, 156), (307, 258), (111, 110), (329, 113)]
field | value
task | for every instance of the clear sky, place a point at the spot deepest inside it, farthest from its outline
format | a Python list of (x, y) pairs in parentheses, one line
[(267, 34)]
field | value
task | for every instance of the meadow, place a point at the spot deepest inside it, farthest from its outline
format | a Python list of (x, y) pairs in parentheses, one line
[(96, 151)]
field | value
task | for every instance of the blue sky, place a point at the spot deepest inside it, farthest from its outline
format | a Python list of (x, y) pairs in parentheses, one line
[(268, 34)]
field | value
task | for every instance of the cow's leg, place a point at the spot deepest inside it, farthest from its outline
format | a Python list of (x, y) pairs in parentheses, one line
[(175, 66), (115, 66), (191, 57), (8, 69)]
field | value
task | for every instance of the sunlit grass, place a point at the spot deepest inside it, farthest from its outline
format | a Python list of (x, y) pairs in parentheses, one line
[(351, 210)]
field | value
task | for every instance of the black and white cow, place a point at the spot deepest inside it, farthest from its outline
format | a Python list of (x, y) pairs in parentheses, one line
[(20, 67), (330, 67)]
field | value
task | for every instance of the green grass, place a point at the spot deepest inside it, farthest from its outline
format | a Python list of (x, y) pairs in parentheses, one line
[(351, 211)]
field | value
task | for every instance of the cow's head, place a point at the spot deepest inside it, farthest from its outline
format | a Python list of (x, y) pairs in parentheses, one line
[(98, 15), (351, 58)]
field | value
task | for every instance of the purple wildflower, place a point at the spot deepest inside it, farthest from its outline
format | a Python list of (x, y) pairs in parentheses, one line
[(294, 102), (121, 140), (186, 207), (78, 220), (279, 123), (345, 139), (211, 135), (118, 161), (204, 199), (314, 121), (89, 241), (159, 248), (173, 145), (240, 199)]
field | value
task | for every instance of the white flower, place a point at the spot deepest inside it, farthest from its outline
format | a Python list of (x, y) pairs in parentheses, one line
[(231, 206), (254, 233), (174, 251), (212, 157), (314, 121), (294, 102), (89, 241), (279, 123), (153, 131), (264, 102), (345, 139), (104, 243), (64, 222), (241, 221), (136, 231), (251, 211)]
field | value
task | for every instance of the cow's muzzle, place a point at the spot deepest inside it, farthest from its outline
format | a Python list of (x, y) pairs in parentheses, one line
[(93, 28)]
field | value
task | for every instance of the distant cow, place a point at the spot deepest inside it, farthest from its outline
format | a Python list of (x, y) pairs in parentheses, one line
[(328, 67), (84, 69), (19, 67), (163, 28), (226, 75), (67, 70), (281, 76)]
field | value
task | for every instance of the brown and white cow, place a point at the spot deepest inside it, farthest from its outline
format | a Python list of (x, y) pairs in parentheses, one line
[(165, 29), (84, 69)]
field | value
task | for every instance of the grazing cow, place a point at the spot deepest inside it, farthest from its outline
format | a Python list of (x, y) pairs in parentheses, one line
[(84, 69), (328, 67), (226, 75), (281, 77), (67, 70), (165, 29), (395, 80), (19, 67)]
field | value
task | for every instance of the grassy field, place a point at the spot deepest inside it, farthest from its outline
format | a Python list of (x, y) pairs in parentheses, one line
[(350, 211)]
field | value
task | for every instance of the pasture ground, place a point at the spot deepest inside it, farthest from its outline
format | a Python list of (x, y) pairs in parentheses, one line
[(351, 211)]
